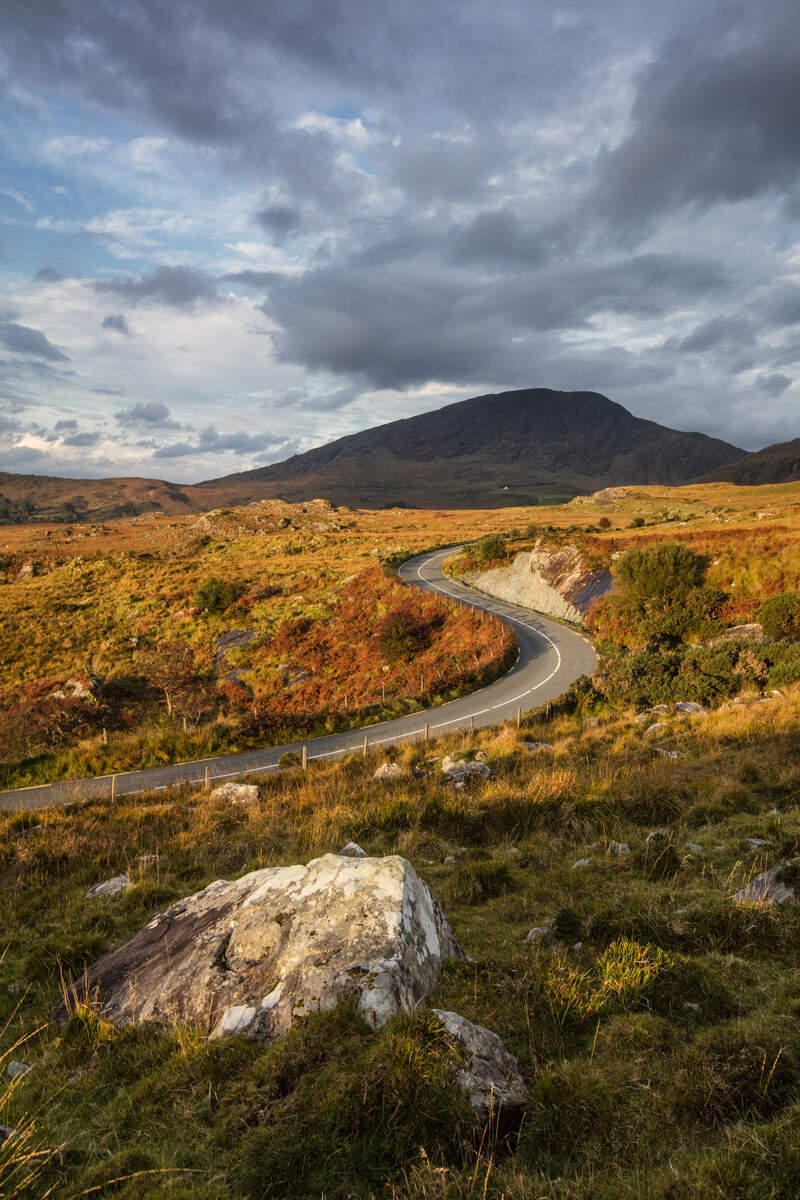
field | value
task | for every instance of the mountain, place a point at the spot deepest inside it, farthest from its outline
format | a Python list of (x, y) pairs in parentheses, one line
[(501, 449), (774, 464)]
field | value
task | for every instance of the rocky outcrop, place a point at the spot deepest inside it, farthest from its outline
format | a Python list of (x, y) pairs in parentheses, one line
[(551, 580), (768, 888), (254, 954)]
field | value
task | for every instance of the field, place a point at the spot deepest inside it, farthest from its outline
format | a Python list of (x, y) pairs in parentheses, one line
[(656, 1025), (658, 1032)]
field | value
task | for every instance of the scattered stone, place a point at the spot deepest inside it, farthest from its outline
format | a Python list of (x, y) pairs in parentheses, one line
[(110, 887), (236, 793), (671, 754), (619, 848), (538, 747), (539, 933), (691, 1006), (388, 771), (660, 708), (690, 708), (487, 1074), (756, 842), (26, 571), (281, 942), (582, 862), (694, 848), (15, 1070), (681, 912), (352, 850), (80, 690), (658, 727), (766, 888), (451, 858), (147, 859), (656, 837), (481, 756), (591, 723), (460, 770), (642, 719), (578, 946)]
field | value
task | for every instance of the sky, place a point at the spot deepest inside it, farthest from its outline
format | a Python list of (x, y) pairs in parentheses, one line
[(231, 230)]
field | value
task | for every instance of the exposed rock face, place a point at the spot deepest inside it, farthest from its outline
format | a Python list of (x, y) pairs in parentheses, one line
[(752, 632), (555, 581), (766, 888), (488, 1076), (253, 954), (690, 708)]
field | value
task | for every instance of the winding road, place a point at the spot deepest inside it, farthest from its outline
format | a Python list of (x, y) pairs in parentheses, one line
[(551, 656)]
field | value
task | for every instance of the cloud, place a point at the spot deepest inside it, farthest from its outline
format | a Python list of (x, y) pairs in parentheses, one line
[(279, 220), (211, 441), (714, 117), (774, 384), (48, 275), (150, 413), (260, 280), (118, 323), (179, 287), (21, 339), (83, 438)]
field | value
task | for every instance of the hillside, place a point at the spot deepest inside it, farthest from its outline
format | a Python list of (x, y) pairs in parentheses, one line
[(41, 498), (510, 448), (774, 464)]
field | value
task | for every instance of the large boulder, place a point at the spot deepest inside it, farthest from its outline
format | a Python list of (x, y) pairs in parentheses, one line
[(253, 954), (236, 793), (487, 1074), (457, 771)]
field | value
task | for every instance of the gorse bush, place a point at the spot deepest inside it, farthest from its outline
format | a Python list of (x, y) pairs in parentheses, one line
[(216, 595), (780, 615), (664, 573), (491, 547)]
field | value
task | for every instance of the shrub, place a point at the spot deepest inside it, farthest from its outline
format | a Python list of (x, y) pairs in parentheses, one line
[(664, 572), (477, 880), (780, 615), (403, 631), (215, 595), (491, 547)]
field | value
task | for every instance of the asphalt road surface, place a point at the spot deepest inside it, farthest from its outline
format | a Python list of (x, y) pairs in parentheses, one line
[(551, 656)]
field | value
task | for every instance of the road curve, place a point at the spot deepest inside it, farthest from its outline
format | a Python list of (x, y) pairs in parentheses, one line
[(551, 656)]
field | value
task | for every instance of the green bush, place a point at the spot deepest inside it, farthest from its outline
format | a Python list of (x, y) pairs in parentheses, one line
[(490, 548), (780, 615), (664, 572), (215, 595)]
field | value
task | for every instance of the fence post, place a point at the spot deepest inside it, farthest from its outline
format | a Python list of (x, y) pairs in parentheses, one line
[(113, 788), (427, 732), (519, 716), (206, 779), (365, 747), (471, 725), (304, 758)]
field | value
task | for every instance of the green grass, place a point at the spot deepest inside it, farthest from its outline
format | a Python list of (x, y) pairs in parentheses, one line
[(658, 1031)]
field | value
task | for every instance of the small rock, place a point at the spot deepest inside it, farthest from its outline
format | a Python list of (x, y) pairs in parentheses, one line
[(656, 837), (591, 723), (110, 887), (672, 754), (538, 747), (352, 850), (694, 848), (766, 888), (642, 719), (458, 771), (690, 707), (147, 859), (681, 912), (538, 933), (618, 848), (652, 730), (451, 858), (660, 708), (756, 842), (389, 770), (487, 1074), (691, 1006), (481, 756), (15, 1070), (582, 862), (236, 793)]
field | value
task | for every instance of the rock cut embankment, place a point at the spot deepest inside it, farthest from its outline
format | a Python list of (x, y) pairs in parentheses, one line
[(555, 581)]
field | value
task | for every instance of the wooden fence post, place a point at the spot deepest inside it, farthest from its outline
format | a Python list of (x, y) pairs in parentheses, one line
[(471, 725), (365, 747), (113, 788), (304, 758)]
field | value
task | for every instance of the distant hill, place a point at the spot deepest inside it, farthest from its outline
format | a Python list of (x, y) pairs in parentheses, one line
[(501, 449), (774, 464)]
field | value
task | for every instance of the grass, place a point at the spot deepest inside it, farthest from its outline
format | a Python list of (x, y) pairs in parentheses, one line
[(658, 1031)]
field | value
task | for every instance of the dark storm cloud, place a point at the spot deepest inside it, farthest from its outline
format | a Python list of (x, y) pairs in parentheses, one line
[(715, 117), (774, 384), (151, 413), (66, 426), (497, 237), (260, 280), (421, 322), (715, 333), (118, 323), (179, 287), (279, 220), (21, 339), (48, 275)]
